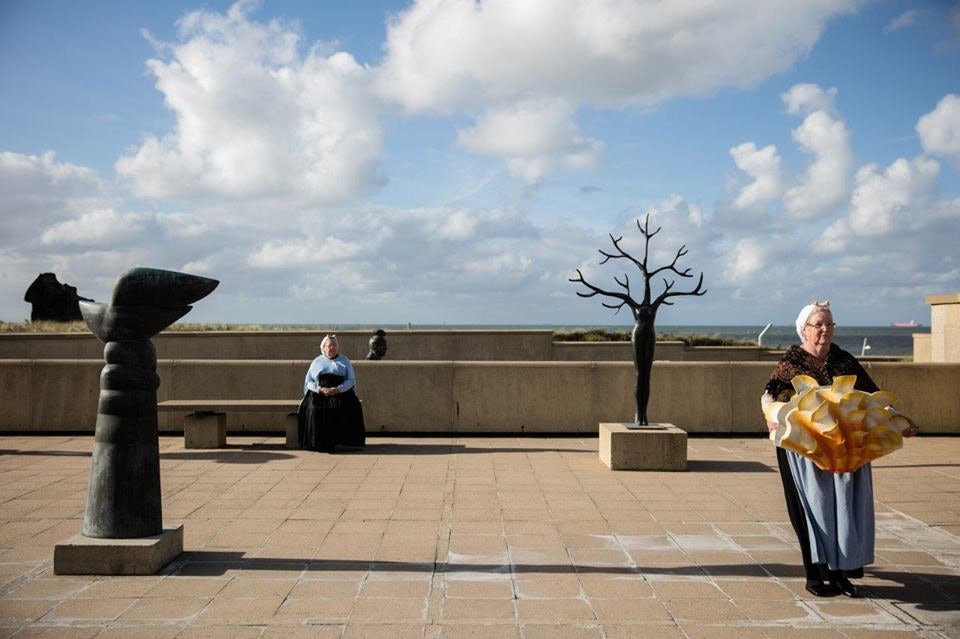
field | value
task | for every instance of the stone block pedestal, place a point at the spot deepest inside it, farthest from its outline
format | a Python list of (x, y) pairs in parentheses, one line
[(205, 430), (655, 447), (81, 555)]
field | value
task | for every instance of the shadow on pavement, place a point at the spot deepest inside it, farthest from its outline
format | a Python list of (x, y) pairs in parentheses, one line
[(46, 453), (935, 592), (727, 466)]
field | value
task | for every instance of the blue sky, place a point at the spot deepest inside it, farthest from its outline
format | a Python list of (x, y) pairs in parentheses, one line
[(454, 162)]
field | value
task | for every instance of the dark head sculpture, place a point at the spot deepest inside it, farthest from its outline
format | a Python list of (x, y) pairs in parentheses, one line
[(378, 345), (144, 302)]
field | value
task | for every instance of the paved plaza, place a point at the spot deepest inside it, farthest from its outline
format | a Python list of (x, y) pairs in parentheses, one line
[(487, 537)]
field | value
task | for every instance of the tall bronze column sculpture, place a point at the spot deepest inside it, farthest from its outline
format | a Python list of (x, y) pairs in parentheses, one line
[(644, 335), (123, 500)]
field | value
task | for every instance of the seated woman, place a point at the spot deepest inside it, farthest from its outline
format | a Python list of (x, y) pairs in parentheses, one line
[(330, 412)]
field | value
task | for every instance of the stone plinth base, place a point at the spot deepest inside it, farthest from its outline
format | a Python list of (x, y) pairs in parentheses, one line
[(81, 555), (205, 430), (654, 447)]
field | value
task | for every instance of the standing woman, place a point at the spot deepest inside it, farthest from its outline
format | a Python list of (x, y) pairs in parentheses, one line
[(330, 412), (832, 513)]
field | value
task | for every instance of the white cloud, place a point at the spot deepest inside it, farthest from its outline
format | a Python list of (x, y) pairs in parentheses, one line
[(763, 165), (939, 130), (902, 21), (748, 259), (449, 56), (182, 225), (100, 227), (256, 119), (808, 98), (883, 196), (38, 191), (825, 184), (442, 54), (392, 257), (834, 239), (313, 251), (535, 137)]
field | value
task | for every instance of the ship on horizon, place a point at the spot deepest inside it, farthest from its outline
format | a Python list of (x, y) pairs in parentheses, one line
[(910, 324)]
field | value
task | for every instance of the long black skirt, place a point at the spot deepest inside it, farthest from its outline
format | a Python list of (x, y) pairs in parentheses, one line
[(325, 421), (798, 519)]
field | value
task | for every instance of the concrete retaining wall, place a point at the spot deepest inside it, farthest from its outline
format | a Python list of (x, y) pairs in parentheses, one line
[(459, 396), (944, 327), (458, 345)]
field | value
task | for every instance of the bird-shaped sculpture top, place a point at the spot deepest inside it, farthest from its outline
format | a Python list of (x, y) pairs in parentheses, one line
[(144, 302)]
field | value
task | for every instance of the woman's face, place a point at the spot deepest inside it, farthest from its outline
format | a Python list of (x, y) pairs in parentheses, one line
[(819, 328), (330, 348)]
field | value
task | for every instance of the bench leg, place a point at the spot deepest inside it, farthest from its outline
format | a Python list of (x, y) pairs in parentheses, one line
[(208, 431), (292, 428)]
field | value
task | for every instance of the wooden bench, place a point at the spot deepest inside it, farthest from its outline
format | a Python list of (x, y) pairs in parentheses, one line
[(205, 421)]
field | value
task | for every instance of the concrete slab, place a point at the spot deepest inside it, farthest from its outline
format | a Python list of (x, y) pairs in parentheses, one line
[(81, 555), (624, 446)]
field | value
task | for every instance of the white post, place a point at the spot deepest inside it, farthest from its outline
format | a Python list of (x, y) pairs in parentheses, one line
[(760, 336)]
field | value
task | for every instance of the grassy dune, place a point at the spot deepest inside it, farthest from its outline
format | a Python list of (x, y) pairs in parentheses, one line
[(80, 327), (600, 335), (580, 335)]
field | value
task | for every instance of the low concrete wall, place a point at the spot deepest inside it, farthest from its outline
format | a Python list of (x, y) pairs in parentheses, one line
[(473, 345), (944, 327), (453, 345), (409, 396)]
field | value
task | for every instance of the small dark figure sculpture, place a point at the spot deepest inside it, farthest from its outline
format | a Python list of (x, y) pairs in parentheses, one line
[(53, 301), (123, 501), (378, 345), (644, 335)]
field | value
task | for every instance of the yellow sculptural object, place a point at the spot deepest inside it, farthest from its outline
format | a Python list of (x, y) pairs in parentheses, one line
[(838, 427)]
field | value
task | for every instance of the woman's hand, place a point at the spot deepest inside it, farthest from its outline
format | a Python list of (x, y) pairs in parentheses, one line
[(332, 390), (912, 430), (772, 426)]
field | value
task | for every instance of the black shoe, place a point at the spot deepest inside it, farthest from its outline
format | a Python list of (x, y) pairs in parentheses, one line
[(820, 589), (846, 587)]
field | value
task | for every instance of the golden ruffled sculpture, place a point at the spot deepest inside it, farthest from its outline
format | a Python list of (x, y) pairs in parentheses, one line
[(837, 427)]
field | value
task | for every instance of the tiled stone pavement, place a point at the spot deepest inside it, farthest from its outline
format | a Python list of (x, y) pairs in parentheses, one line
[(476, 537)]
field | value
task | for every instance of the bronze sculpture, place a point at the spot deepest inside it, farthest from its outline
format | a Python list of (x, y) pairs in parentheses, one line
[(52, 301), (378, 345), (644, 336), (123, 501)]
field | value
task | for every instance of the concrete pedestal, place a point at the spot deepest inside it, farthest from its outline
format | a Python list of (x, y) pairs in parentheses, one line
[(292, 429), (205, 430), (655, 447), (82, 555)]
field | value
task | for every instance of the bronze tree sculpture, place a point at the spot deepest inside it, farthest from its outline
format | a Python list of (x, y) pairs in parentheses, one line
[(643, 337)]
